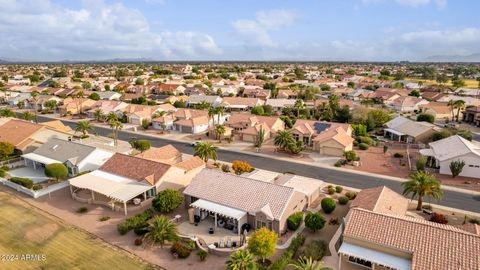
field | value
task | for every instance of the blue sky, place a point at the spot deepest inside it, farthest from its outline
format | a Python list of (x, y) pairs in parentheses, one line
[(238, 30)]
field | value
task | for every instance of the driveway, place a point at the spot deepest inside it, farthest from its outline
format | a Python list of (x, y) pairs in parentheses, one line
[(37, 176)]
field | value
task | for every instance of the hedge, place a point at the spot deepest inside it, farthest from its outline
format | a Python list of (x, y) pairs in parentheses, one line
[(328, 205), (22, 181), (286, 258), (363, 146), (294, 221)]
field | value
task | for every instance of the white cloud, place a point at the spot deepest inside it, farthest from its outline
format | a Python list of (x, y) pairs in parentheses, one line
[(40, 30), (411, 3), (256, 32)]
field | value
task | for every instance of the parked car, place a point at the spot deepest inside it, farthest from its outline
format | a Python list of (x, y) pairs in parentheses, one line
[(193, 144)]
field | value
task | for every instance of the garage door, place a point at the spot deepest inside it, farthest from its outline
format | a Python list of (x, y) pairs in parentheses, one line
[(331, 151)]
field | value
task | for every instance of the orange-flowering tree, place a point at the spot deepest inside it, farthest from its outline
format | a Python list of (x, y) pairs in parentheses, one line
[(240, 166)]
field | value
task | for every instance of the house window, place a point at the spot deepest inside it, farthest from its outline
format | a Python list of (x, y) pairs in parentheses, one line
[(361, 262), (260, 224)]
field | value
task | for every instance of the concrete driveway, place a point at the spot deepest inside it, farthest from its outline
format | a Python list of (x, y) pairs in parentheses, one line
[(37, 176)]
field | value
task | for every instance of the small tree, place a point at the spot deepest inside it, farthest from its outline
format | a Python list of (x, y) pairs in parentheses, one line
[(141, 145), (456, 167), (328, 205), (260, 139), (6, 149), (145, 124), (240, 166), (421, 163), (350, 155), (385, 149), (314, 221), (167, 200), (94, 96), (56, 170), (161, 230), (426, 117), (262, 243)]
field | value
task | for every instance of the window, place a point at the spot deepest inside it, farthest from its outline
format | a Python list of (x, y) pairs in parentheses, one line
[(362, 262), (260, 224)]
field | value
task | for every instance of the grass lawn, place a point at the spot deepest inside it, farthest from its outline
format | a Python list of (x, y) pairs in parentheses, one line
[(26, 231), (469, 83)]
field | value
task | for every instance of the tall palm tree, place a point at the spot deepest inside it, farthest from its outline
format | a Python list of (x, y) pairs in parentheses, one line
[(459, 105), (211, 115), (220, 111), (220, 130), (283, 139), (34, 95), (298, 105), (451, 105), (206, 150), (241, 260), (159, 114), (161, 230), (305, 263), (98, 115), (260, 139), (7, 113), (422, 184), (115, 125), (84, 127)]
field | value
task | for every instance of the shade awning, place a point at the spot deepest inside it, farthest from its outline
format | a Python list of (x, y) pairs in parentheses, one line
[(375, 256), (40, 159), (219, 209), (394, 131)]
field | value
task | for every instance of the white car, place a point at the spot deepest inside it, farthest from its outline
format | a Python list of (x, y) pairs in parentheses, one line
[(194, 144)]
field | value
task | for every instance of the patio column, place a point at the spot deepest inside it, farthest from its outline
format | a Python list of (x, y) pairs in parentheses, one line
[(238, 227), (34, 166), (71, 191), (144, 195), (339, 261), (215, 220), (125, 207), (93, 196)]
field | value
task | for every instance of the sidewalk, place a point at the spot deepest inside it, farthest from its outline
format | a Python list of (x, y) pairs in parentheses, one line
[(277, 157)]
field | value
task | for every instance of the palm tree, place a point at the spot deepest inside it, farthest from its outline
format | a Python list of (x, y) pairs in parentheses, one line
[(305, 263), (116, 126), (298, 105), (34, 95), (84, 127), (220, 111), (260, 139), (206, 150), (27, 116), (459, 105), (241, 260), (211, 115), (451, 103), (422, 184), (283, 139), (220, 130), (161, 230), (98, 115), (159, 114), (7, 113)]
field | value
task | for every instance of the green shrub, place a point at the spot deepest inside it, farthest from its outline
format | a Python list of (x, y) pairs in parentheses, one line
[(398, 155), (351, 195), (181, 250), (296, 243), (350, 155), (139, 220), (282, 262), (363, 146), (294, 221), (225, 168), (341, 162), (2, 173), (167, 200), (365, 140), (333, 221), (355, 143), (5, 168), (37, 187), (474, 221), (338, 189), (122, 228), (343, 200), (328, 205), (315, 250), (82, 210), (56, 170), (202, 254), (314, 221), (25, 182), (331, 190), (421, 163), (104, 218), (141, 230)]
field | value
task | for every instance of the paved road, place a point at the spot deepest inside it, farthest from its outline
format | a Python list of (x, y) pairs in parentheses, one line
[(453, 199)]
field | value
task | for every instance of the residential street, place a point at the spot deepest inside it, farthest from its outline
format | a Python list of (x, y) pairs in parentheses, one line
[(453, 199)]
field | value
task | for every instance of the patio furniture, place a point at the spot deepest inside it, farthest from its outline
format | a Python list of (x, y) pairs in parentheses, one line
[(246, 227), (234, 244), (221, 223), (211, 231), (137, 201), (177, 218)]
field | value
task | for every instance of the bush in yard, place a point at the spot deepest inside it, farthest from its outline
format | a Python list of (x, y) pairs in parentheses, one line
[(104, 218), (6, 149), (181, 250), (202, 254), (341, 162), (314, 221), (240, 167), (398, 155), (426, 117), (363, 146), (141, 145), (2, 173), (366, 140), (343, 200), (82, 210), (141, 230), (56, 170), (294, 221), (438, 218), (338, 189), (282, 262), (331, 190), (328, 205), (225, 168), (456, 167), (262, 243), (351, 195), (5, 168), (25, 182), (122, 228), (167, 200), (37, 187), (315, 250), (350, 155), (139, 220), (138, 241), (421, 163)]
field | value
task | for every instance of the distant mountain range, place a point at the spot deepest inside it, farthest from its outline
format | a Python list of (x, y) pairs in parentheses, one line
[(453, 58)]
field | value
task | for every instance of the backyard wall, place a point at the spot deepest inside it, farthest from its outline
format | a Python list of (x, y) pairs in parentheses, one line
[(32, 193)]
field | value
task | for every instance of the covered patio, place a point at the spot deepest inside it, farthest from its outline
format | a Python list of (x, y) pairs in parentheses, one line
[(116, 188), (223, 216), (395, 135), (366, 257)]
